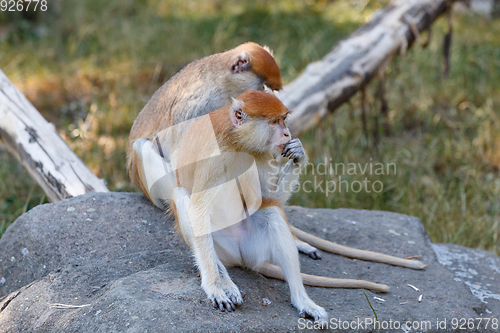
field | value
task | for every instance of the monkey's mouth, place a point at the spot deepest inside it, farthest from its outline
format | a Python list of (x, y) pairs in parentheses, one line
[(280, 148)]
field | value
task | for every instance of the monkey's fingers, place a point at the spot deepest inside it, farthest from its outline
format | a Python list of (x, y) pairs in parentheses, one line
[(355, 253), (291, 147), (275, 272)]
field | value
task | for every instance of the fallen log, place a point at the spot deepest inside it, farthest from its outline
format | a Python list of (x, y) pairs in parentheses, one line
[(39, 148), (328, 83)]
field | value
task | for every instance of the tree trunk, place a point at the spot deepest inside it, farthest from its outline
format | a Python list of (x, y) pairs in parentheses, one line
[(39, 148)]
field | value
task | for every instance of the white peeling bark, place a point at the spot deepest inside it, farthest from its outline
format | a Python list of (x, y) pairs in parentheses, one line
[(37, 146), (326, 84)]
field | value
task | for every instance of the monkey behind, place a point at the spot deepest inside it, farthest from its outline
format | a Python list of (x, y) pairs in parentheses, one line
[(202, 86)]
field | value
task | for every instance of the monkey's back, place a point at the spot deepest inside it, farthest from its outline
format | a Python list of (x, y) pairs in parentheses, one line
[(192, 92), (202, 86)]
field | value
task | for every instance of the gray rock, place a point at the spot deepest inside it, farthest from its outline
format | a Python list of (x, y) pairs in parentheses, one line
[(479, 270), (120, 259)]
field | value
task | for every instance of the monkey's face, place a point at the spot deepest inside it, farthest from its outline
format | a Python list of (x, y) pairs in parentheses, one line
[(279, 133), (260, 134), (258, 120)]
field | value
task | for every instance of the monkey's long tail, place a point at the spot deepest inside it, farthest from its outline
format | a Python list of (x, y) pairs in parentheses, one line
[(345, 251), (275, 272)]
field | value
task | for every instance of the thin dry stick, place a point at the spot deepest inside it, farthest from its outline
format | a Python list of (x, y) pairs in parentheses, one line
[(25, 207), (413, 257)]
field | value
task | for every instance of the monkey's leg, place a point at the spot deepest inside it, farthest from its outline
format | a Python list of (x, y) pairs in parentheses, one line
[(157, 176), (215, 279), (355, 253), (275, 272), (271, 233)]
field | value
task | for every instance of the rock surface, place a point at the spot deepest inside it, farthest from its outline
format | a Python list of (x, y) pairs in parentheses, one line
[(118, 259)]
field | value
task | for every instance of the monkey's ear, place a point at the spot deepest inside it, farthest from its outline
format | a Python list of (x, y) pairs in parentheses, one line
[(241, 63), (238, 116)]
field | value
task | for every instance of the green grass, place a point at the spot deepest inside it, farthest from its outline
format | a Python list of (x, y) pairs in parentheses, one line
[(90, 66)]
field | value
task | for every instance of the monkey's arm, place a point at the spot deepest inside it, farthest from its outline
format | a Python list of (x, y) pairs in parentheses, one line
[(289, 173)]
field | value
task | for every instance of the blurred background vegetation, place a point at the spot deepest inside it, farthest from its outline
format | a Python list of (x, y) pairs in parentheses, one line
[(90, 66)]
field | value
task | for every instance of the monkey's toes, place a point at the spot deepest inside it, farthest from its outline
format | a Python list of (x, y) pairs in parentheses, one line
[(317, 314), (310, 251), (234, 294), (238, 300), (223, 305), (315, 255)]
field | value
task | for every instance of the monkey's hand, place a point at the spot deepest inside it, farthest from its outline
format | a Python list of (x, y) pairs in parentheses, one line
[(294, 151)]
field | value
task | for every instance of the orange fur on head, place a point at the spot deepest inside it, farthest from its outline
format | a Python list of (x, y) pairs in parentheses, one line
[(262, 104), (263, 64)]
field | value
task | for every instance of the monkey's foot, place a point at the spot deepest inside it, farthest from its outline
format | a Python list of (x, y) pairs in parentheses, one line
[(233, 293), (221, 301), (311, 251), (225, 298), (316, 255), (315, 312)]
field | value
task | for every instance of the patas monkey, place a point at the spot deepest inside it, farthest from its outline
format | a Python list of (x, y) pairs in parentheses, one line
[(228, 201), (227, 197)]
